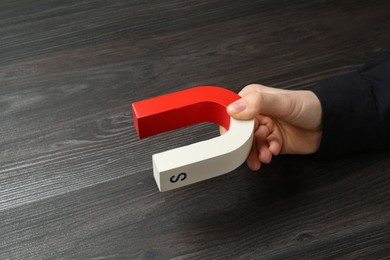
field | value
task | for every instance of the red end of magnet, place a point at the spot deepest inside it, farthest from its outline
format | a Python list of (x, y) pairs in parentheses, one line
[(192, 106)]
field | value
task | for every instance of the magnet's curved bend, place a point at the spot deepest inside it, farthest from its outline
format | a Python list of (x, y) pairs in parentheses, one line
[(203, 160)]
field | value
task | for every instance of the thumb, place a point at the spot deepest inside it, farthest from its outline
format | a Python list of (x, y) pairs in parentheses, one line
[(276, 105)]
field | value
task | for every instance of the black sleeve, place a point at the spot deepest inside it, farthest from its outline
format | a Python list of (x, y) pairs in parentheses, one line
[(356, 109)]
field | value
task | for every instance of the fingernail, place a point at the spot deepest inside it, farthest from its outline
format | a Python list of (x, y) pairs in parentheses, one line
[(237, 106)]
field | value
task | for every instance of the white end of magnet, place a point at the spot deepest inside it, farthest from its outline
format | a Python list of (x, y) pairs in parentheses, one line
[(204, 160)]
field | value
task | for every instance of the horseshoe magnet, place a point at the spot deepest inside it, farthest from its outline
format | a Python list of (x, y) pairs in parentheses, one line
[(199, 161)]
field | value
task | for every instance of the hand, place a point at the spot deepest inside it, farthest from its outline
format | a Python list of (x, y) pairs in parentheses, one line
[(286, 121)]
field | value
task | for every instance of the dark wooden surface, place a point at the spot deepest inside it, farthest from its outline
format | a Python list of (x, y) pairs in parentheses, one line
[(76, 183)]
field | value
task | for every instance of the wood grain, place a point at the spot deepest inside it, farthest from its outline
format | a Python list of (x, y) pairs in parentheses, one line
[(75, 181)]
